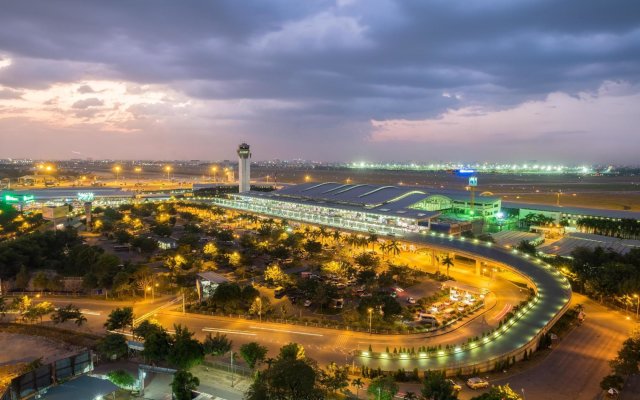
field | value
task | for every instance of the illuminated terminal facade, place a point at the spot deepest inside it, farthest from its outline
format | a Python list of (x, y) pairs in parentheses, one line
[(364, 207)]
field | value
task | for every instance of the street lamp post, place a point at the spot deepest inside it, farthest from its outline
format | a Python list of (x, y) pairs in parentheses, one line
[(259, 300), (168, 169), (638, 306), (214, 169), (117, 169), (370, 318), (138, 170)]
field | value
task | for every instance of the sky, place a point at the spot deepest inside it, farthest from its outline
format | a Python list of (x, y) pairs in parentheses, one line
[(342, 80)]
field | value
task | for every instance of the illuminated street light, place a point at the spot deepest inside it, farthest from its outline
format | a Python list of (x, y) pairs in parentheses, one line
[(638, 306), (138, 170), (370, 310), (117, 170), (168, 170), (214, 169), (259, 300), (307, 178)]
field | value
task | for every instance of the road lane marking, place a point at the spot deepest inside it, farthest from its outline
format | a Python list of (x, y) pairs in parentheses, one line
[(285, 331), (121, 333), (231, 332), (504, 312)]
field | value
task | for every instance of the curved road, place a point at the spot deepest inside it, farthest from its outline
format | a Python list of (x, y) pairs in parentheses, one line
[(331, 345)]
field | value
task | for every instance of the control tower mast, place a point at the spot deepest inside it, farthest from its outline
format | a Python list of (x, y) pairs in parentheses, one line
[(244, 165)]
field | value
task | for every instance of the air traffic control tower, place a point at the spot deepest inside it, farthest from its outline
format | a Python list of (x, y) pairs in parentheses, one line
[(244, 165)]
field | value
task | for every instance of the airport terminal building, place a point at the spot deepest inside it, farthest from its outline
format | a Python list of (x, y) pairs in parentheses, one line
[(363, 207)]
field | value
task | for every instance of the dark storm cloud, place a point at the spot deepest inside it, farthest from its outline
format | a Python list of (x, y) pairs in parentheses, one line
[(342, 63)]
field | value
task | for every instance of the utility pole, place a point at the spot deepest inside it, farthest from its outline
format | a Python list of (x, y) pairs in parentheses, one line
[(183, 310), (231, 368)]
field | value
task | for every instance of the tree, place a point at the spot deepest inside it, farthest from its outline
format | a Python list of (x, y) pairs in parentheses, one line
[(626, 363), (367, 260), (210, 249), (157, 345), (499, 393), (260, 306), (274, 274), (292, 351), (393, 247), (312, 246), (22, 278), (437, 387), (612, 381), (40, 281), (448, 263), (334, 377), (253, 353), (38, 311), (145, 245), (120, 318), (183, 384), (291, 376), (186, 351), (216, 345), (358, 384), (383, 388), (3, 307), (122, 379), (526, 247), (113, 346), (146, 328), (66, 313)]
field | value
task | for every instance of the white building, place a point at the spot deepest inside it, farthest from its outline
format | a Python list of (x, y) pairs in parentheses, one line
[(244, 168)]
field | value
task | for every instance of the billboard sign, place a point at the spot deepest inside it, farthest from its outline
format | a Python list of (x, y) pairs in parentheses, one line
[(465, 172), (18, 198), (473, 181)]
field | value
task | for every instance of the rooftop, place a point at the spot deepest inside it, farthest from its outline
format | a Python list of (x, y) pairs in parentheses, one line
[(567, 244), (383, 200)]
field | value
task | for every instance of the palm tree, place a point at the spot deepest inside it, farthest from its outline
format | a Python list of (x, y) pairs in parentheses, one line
[(384, 248), (394, 247), (447, 262), (373, 238), (358, 383), (335, 235), (322, 232)]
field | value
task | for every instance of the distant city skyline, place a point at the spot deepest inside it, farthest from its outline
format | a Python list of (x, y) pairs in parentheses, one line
[(345, 80)]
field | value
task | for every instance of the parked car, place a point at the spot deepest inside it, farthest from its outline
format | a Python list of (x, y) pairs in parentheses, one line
[(307, 303), (411, 300), (477, 383)]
